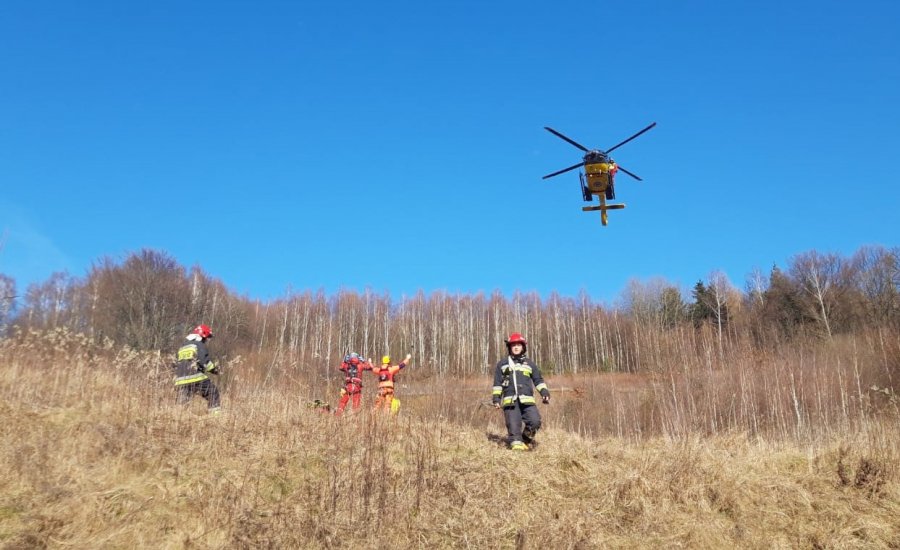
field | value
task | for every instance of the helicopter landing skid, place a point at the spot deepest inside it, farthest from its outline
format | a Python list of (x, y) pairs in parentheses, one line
[(585, 192)]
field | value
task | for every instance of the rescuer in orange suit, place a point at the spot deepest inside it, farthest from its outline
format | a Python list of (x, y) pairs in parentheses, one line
[(386, 373), (352, 367)]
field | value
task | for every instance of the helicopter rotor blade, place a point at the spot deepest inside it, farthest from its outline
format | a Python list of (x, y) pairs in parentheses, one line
[(629, 173), (572, 141), (613, 148), (564, 170)]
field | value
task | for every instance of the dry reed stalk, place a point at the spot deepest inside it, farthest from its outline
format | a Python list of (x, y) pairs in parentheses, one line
[(100, 456)]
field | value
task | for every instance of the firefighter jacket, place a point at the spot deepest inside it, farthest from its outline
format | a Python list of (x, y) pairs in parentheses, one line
[(353, 374), (515, 379), (193, 362), (386, 375)]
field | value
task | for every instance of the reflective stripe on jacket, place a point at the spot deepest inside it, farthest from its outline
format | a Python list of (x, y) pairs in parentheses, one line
[(515, 379), (191, 379), (192, 362)]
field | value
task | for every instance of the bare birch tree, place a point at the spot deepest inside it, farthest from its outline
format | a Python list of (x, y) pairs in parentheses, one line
[(816, 275), (7, 301)]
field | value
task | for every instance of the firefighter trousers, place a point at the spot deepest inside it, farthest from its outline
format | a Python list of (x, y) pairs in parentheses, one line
[(205, 388), (518, 413)]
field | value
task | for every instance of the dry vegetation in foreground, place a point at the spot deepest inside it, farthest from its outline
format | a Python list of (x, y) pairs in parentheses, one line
[(96, 455)]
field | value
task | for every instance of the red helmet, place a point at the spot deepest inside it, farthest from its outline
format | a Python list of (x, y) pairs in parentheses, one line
[(516, 338), (203, 331)]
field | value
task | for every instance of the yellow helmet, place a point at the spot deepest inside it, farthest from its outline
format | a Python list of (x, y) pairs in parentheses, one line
[(386, 360)]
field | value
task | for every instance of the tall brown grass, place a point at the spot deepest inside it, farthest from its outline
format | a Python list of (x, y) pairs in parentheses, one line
[(788, 450)]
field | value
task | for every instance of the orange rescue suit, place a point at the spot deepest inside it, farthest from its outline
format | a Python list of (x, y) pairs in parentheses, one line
[(385, 374)]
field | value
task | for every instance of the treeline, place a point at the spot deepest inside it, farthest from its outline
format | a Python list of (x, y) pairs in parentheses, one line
[(149, 302)]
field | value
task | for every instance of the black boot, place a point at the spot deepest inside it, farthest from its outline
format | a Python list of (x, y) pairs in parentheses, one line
[(528, 436)]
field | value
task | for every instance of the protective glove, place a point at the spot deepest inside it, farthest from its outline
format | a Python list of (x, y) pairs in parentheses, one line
[(546, 399)]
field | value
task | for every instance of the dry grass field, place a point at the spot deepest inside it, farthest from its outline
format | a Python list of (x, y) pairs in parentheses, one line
[(95, 454)]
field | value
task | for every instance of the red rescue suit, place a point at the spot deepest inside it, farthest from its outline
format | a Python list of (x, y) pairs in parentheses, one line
[(352, 389)]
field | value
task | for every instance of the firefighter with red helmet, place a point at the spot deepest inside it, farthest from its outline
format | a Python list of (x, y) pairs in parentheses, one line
[(352, 367), (386, 373), (193, 367), (515, 380)]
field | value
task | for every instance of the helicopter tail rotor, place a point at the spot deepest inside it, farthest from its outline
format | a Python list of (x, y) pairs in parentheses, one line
[(603, 208)]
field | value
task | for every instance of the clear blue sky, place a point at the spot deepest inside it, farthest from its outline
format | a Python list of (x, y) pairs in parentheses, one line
[(399, 145)]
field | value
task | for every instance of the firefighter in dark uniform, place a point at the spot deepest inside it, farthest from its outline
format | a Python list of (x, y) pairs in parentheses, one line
[(193, 367), (515, 379)]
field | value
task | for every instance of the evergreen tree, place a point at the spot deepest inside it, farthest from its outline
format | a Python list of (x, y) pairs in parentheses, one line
[(700, 310), (782, 308)]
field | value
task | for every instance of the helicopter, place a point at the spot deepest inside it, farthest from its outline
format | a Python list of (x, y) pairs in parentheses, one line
[(600, 171)]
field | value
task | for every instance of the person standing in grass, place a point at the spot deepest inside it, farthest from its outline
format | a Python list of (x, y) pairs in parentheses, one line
[(515, 380), (386, 373), (352, 367), (193, 367)]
